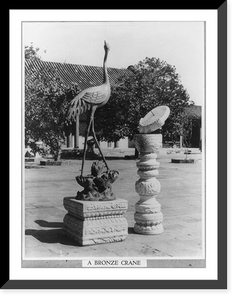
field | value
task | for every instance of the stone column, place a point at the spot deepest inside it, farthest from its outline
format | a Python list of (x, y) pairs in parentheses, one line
[(148, 215), (76, 143), (181, 141), (72, 140)]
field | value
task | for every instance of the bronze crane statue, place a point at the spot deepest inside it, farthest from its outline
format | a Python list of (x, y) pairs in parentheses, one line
[(90, 99)]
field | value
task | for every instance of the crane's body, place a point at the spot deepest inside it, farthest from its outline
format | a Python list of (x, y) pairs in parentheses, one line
[(85, 100), (90, 99)]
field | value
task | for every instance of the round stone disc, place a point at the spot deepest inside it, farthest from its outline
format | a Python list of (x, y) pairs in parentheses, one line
[(154, 119)]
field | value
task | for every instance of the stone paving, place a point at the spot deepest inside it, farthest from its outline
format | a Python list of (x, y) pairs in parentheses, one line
[(180, 199)]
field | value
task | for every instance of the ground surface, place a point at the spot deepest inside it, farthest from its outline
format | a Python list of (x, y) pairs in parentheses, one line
[(180, 199)]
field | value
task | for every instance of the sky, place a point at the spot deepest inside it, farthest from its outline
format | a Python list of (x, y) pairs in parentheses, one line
[(180, 44)]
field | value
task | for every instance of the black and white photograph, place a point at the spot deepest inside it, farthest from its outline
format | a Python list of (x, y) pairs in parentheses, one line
[(114, 148), (117, 121)]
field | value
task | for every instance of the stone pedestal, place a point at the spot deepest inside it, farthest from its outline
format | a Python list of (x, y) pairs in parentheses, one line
[(148, 214), (95, 222)]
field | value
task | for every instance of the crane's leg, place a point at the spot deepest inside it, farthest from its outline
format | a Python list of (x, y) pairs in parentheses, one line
[(95, 138), (85, 143)]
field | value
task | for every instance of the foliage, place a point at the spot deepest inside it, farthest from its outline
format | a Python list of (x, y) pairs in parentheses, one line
[(152, 83), (46, 102), (31, 52)]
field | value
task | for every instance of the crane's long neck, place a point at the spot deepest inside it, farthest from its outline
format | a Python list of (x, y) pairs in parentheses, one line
[(105, 74)]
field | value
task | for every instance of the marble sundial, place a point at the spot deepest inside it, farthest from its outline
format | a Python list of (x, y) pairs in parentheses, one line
[(154, 119)]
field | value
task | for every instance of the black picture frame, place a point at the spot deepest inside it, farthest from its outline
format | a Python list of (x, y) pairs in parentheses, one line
[(221, 282)]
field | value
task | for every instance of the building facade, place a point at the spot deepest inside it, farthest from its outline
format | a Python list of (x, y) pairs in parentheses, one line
[(87, 76), (194, 112)]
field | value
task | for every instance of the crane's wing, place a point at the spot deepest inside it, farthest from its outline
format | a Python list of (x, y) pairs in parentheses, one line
[(77, 107), (83, 101), (94, 97)]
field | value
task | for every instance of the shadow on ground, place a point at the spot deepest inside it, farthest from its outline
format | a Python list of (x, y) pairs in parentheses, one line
[(56, 235), (131, 230), (51, 236), (43, 223)]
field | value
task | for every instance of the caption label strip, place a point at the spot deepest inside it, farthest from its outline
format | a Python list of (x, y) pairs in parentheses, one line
[(113, 263)]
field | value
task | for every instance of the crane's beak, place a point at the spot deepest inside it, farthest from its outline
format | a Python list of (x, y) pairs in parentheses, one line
[(106, 45)]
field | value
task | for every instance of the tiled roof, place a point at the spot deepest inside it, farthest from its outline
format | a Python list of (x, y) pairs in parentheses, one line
[(84, 76)]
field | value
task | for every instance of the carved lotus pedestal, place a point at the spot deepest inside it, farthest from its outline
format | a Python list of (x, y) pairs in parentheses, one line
[(148, 215), (95, 222)]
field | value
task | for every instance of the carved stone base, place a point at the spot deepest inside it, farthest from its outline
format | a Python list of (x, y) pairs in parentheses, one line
[(148, 217), (93, 222), (155, 229)]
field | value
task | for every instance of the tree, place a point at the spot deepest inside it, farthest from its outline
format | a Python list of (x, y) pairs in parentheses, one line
[(46, 103), (31, 52), (152, 82)]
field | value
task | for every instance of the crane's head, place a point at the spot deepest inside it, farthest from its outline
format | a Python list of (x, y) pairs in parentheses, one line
[(106, 46)]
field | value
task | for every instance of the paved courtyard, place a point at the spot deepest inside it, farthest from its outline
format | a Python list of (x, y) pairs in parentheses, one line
[(180, 199)]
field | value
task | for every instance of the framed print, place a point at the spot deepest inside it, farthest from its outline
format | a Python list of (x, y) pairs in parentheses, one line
[(121, 135)]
